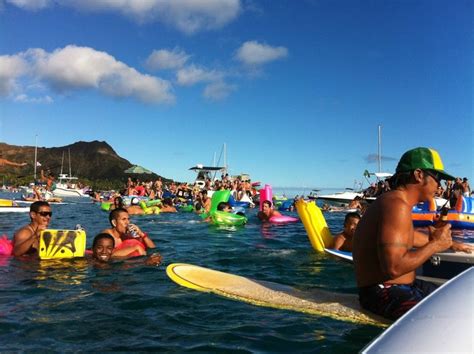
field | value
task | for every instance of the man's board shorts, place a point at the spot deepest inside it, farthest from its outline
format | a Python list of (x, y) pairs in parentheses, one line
[(392, 300)]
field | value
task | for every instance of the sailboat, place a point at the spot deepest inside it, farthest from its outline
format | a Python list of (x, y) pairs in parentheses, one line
[(66, 185), (344, 198)]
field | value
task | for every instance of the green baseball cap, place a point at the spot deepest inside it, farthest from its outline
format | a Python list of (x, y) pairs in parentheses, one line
[(424, 159)]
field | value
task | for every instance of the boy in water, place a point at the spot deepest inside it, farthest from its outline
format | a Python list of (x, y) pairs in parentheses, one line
[(343, 241), (103, 247)]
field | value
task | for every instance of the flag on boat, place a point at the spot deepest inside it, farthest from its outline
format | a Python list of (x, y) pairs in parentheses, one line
[(38, 164)]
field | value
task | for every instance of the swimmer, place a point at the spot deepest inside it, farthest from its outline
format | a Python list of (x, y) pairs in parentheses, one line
[(26, 239), (267, 211), (343, 241)]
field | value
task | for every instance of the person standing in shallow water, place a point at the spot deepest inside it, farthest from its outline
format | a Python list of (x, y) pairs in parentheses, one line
[(383, 247), (26, 239)]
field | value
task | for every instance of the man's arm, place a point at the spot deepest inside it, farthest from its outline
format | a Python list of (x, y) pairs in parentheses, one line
[(396, 238), (22, 241)]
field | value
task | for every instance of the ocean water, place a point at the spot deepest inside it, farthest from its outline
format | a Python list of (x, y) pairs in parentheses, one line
[(69, 305)]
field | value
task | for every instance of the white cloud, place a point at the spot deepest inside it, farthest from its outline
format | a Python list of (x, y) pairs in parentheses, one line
[(23, 98), (192, 75), (188, 16), (253, 53), (72, 68), (166, 59), (31, 4), (218, 90), (11, 68)]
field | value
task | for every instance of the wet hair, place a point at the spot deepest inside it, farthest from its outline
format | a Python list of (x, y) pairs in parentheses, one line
[(37, 205), (168, 201), (352, 215), (222, 205), (119, 201), (115, 213), (269, 203), (102, 236)]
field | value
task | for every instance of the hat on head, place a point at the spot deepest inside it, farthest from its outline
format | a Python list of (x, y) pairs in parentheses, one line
[(134, 201), (424, 159)]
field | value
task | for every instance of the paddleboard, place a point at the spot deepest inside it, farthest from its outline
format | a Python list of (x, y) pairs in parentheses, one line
[(441, 323), (346, 256), (343, 307)]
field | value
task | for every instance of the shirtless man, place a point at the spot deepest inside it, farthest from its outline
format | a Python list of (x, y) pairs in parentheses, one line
[(267, 211), (26, 239), (121, 231), (383, 248), (343, 241)]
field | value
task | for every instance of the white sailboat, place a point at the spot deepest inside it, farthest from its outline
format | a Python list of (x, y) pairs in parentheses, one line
[(344, 198), (67, 185)]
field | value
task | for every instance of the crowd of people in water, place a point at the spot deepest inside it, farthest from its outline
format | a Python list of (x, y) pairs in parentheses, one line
[(385, 246)]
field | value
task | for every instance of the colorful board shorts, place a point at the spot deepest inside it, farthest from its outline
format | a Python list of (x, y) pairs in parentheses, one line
[(392, 301)]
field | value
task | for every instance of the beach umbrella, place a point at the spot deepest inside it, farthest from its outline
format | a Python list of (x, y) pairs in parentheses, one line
[(138, 170)]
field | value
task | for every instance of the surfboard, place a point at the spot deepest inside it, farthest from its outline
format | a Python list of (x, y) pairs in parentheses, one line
[(343, 307), (441, 323), (346, 256)]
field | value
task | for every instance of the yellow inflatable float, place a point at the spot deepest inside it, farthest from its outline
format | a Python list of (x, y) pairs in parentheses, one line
[(62, 244), (315, 225)]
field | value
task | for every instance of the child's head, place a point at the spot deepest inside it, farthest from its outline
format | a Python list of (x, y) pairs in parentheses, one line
[(224, 206), (102, 247), (350, 223)]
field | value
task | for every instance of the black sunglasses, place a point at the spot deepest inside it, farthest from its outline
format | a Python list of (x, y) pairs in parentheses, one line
[(435, 176), (45, 213)]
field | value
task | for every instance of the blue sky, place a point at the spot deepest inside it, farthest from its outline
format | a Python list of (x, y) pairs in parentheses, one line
[(296, 89)]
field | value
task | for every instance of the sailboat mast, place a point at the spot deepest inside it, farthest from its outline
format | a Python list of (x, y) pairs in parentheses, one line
[(36, 155), (62, 163), (225, 158), (69, 153), (379, 153)]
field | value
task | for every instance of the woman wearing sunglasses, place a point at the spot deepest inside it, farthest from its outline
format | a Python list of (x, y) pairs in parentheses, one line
[(26, 239)]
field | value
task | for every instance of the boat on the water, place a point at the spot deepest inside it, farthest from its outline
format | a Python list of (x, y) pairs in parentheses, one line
[(67, 187), (14, 209)]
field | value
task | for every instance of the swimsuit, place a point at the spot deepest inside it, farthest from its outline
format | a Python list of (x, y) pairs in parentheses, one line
[(393, 300)]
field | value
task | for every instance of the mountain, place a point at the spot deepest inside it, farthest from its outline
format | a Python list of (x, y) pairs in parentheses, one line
[(95, 162)]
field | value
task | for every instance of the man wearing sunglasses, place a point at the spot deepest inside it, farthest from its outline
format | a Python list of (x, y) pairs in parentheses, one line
[(386, 248), (26, 239)]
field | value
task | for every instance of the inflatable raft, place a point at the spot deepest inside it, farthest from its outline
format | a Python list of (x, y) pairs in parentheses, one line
[(460, 217)]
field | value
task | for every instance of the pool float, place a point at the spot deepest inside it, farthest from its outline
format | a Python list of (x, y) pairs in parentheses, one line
[(217, 198), (234, 203), (6, 202), (227, 219), (130, 243), (105, 206), (152, 202), (286, 205), (6, 246), (186, 208), (315, 225), (62, 244), (149, 210), (265, 194), (282, 219), (461, 217)]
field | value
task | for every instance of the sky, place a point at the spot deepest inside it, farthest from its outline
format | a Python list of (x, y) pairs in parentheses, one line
[(295, 89)]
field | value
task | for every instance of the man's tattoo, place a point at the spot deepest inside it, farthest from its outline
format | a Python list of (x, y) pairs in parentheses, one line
[(393, 244)]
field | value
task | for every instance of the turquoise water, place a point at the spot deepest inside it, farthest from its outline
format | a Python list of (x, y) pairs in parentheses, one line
[(72, 306)]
